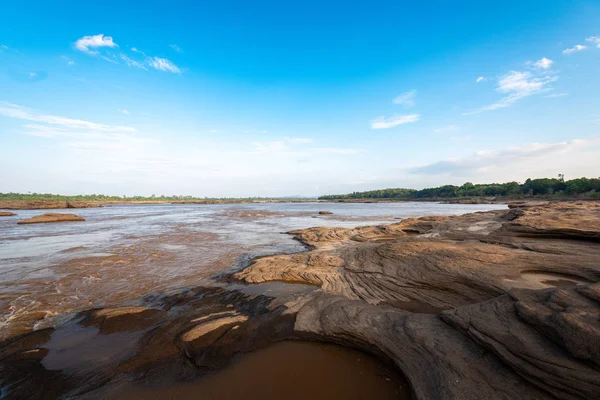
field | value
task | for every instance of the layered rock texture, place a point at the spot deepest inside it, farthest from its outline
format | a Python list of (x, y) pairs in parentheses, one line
[(6, 214), (493, 305), (51, 217)]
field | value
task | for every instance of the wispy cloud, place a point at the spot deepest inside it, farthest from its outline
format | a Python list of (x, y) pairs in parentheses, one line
[(447, 129), (480, 79), (517, 85), (3, 47), (176, 48), (164, 65), (18, 112), (543, 63), (407, 99), (87, 43), (594, 40), (132, 63), (574, 49), (124, 111), (484, 160), (93, 44), (554, 95), (386, 123), (136, 50)]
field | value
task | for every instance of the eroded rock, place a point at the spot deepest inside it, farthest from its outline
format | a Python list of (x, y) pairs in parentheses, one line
[(51, 217)]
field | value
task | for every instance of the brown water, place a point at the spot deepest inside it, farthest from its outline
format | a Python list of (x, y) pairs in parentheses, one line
[(123, 252), (287, 370)]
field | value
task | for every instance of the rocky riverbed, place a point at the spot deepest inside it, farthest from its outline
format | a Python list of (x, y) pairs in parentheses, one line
[(496, 305)]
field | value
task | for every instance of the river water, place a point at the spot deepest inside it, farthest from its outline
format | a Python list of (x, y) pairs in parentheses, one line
[(123, 252)]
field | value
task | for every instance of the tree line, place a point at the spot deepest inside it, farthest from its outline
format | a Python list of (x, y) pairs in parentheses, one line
[(589, 187)]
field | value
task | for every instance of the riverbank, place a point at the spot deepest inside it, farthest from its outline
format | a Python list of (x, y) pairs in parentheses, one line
[(496, 304), (60, 204)]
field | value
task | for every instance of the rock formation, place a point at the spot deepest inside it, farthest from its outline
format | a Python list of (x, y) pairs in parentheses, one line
[(6, 214), (51, 217), (490, 305)]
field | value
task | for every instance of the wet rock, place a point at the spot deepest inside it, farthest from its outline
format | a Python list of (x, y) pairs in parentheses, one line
[(325, 213), (51, 217), (6, 214), (122, 319), (464, 306), (439, 361)]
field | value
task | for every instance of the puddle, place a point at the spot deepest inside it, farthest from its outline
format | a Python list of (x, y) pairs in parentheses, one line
[(80, 349), (274, 289), (542, 280), (288, 370)]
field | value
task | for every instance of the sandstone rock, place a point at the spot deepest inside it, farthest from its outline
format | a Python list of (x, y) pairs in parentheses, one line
[(6, 214), (325, 213), (466, 307), (122, 319), (52, 217), (561, 220)]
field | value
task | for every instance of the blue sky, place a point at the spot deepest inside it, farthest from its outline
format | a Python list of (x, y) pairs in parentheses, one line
[(272, 99)]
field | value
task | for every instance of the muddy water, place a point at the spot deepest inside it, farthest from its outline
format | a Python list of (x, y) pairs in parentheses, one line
[(123, 252), (287, 370)]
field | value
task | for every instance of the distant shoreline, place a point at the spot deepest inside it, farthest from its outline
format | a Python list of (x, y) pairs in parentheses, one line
[(45, 204)]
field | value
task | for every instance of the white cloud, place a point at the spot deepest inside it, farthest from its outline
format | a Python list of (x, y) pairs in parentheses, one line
[(163, 64), (385, 123), (481, 79), (447, 129), (518, 85), (574, 49), (124, 111), (87, 43), (19, 112), (110, 59), (407, 99), (3, 47), (135, 50), (536, 156), (132, 63), (595, 40), (176, 48), (543, 63)]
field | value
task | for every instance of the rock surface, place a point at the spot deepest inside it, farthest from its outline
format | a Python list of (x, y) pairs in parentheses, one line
[(6, 214), (492, 305), (51, 217)]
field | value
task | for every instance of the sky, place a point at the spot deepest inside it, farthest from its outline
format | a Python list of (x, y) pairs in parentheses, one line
[(271, 98)]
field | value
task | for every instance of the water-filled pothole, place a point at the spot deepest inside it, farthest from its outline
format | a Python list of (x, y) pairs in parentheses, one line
[(292, 370)]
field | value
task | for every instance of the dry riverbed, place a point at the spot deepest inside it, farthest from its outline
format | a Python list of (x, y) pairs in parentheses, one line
[(497, 305)]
